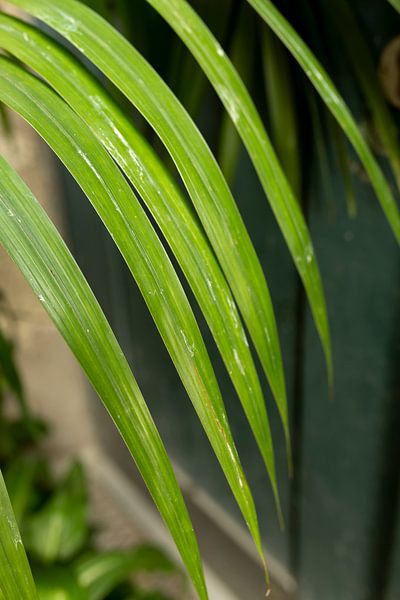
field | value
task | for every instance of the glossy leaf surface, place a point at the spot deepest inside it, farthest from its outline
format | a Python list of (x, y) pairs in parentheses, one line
[(166, 203), (35, 246), (145, 256), (130, 72), (247, 121)]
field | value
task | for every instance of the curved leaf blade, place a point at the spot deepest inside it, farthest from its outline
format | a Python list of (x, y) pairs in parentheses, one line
[(128, 224), (166, 203), (16, 581), (335, 103), (34, 244), (233, 94), (130, 72)]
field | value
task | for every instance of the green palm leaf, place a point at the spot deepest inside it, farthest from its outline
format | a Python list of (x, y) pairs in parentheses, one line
[(239, 105), (166, 203), (328, 92), (129, 71), (35, 246), (16, 581), (105, 186), (247, 121)]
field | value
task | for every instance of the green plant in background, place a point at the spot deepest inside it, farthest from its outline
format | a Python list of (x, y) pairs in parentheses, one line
[(89, 130), (53, 518), (23, 429)]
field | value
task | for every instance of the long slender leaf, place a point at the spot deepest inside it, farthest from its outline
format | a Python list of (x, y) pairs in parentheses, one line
[(328, 92), (35, 246), (162, 196), (243, 113), (105, 186), (362, 63), (217, 210), (16, 581)]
